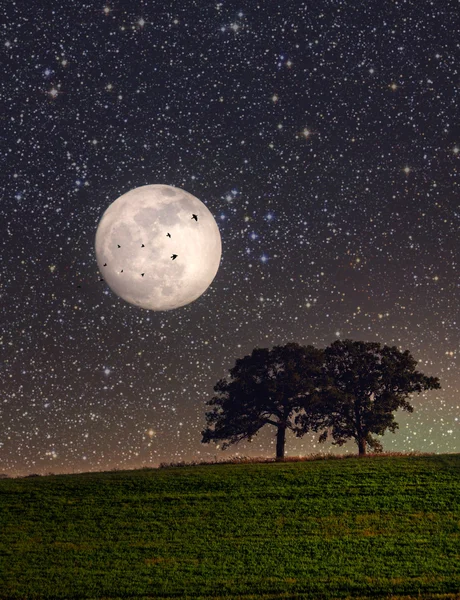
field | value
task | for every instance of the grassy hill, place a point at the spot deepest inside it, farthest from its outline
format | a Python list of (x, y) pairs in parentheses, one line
[(378, 527)]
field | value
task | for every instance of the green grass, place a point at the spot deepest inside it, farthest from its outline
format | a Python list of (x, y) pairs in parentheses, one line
[(380, 527)]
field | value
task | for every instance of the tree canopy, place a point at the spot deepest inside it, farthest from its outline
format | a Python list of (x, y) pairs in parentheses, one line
[(350, 390), (370, 382), (266, 388)]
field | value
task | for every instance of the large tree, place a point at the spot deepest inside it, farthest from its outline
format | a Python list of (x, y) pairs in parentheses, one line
[(369, 384), (266, 388)]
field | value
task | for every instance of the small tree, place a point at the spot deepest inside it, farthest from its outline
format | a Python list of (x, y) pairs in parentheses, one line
[(369, 384), (266, 388)]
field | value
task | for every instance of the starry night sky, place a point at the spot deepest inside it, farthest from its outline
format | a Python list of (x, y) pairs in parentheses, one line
[(323, 137)]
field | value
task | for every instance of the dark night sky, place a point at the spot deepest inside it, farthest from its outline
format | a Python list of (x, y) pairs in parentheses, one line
[(324, 138)]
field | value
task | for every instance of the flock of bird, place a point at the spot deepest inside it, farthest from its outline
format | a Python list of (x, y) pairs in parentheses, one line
[(174, 256)]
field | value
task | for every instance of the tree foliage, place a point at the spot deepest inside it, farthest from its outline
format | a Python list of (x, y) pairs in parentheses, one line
[(265, 388), (349, 390), (369, 384)]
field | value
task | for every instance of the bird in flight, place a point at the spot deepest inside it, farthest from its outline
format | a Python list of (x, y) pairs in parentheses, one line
[(194, 217), (142, 274), (119, 245), (121, 271), (105, 264), (168, 235), (142, 246), (174, 256)]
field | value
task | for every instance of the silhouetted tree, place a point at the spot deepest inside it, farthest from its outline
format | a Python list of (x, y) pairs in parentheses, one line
[(369, 384), (266, 388)]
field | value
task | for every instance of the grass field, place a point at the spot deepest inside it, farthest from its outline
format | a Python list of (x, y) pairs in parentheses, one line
[(378, 527)]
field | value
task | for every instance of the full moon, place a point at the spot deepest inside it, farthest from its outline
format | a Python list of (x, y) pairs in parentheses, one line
[(158, 247)]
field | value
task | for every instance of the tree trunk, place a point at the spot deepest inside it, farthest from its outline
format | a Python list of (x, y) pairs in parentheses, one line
[(280, 441), (362, 446)]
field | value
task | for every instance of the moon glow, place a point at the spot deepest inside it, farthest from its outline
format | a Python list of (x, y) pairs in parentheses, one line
[(134, 252)]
